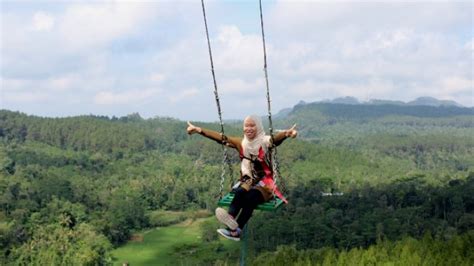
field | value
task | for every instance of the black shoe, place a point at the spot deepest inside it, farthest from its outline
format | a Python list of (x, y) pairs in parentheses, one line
[(232, 235)]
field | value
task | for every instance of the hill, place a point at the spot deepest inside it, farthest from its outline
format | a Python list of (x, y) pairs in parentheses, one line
[(351, 108), (420, 101), (326, 120), (73, 188), (430, 101)]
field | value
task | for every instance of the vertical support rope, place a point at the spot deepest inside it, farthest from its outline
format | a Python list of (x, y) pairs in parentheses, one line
[(244, 247), (225, 159), (266, 73), (273, 150)]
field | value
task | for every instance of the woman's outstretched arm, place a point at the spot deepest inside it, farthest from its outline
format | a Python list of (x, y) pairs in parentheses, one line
[(284, 134), (232, 142)]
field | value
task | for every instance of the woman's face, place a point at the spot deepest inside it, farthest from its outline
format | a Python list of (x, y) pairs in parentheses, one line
[(250, 128)]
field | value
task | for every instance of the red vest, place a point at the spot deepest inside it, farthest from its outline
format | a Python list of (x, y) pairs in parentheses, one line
[(267, 181)]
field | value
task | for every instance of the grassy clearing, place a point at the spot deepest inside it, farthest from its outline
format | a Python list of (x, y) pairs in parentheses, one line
[(178, 244)]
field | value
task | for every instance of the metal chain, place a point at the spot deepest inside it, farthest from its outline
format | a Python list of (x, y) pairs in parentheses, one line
[(273, 149), (225, 159)]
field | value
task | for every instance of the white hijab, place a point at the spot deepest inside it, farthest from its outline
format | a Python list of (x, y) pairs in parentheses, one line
[(252, 147)]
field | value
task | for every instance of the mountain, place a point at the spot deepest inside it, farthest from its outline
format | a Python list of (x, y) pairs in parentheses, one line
[(430, 101), (321, 120), (420, 101), (391, 105), (345, 100), (381, 102), (283, 112)]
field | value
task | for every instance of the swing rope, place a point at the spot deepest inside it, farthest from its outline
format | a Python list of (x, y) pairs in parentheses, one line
[(225, 160), (273, 149)]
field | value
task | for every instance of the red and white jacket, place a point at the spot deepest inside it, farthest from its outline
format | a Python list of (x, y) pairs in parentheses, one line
[(267, 182)]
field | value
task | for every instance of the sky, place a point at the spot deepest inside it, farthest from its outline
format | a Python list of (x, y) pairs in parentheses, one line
[(68, 58)]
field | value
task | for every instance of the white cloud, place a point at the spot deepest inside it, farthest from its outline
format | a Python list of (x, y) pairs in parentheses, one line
[(318, 19), (157, 77), (305, 89), (76, 30), (12, 84), (319, 90), (126, 97), (456, 83), (316, 50), (62, 83), (184, 95), (242, 87), (372, 53), (21, 90), (455, 88), (392, 39), (469, 46), (42, 21), (18, 91), (237, 52), (93, 25), (314, 67), (26, 97)]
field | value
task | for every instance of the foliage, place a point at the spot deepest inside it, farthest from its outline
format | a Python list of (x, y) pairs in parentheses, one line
[(360, 217), (403, 171), (409, 251), (59, 245)]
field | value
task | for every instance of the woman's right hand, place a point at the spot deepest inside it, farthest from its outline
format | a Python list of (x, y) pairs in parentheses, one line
[(193, 129)]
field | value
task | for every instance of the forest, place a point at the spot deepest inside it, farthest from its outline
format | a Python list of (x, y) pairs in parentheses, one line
[(366, 183)]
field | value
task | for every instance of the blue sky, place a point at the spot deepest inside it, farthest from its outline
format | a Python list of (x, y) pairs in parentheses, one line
[(66, 58)]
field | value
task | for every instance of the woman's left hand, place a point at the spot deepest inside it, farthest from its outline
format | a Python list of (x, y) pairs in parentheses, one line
[(193, 129), (292, 132)]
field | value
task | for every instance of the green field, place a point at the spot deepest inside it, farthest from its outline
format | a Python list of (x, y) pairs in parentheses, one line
[(178, 244)]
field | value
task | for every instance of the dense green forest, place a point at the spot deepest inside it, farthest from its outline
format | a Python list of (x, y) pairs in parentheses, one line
[(74, 188)]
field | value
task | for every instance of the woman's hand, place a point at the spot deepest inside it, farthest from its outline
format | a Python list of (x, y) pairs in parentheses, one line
[(193, 129), (292, 132)]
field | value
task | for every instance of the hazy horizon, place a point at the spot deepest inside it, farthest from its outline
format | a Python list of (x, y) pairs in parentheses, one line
[(274, 112)]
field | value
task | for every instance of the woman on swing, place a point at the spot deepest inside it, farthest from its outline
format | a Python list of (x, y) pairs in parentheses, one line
[(256, 181)]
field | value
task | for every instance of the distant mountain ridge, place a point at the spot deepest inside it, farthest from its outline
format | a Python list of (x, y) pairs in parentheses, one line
[(420, 101), (430, 101), (424, 103)]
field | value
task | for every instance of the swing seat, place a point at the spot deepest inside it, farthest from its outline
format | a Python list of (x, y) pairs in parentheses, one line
[(270, 205)]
